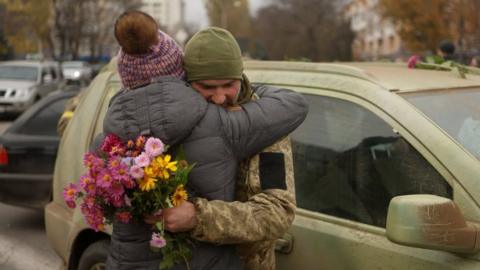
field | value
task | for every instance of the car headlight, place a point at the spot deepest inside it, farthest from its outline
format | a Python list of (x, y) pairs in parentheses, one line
[(76, 74), (21, 93)]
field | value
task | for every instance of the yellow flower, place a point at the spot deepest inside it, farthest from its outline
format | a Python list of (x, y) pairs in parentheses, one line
[(179, 196), (150, 172), (147, 183), (164, 166)]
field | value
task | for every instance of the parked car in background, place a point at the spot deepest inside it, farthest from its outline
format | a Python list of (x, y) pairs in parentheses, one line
[(28, 149), (375, 131), (22, 83), (77, 71)]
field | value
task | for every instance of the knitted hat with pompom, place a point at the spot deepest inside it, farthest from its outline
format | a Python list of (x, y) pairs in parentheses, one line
[(146, 52)]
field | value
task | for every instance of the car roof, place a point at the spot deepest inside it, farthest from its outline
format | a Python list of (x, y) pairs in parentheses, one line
[(390, 76), (30, 63)]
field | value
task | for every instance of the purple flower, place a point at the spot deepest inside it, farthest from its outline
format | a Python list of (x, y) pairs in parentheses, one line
[(142, 160), (154, 147), (136, 172), (121, 172), (70, 193), (127, 161), (157, 241), (104, 179)]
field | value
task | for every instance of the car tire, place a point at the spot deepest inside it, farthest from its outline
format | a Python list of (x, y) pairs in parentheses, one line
[(95, 256)]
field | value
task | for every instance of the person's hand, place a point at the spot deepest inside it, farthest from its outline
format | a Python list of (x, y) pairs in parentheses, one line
[(154, 218), (181, 218)]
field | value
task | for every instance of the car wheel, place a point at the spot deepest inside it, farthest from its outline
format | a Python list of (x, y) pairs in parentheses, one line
[(95, 256)]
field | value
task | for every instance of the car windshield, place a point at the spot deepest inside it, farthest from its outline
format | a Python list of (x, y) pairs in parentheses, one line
[(18, 73), (457, 111), (72, 64)]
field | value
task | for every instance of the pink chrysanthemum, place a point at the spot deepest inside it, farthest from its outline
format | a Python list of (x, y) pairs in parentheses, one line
[(104, 179), (136, 172), (113, 163), (70, 193), (88, 159), (121, 172), (87, 183), (154, 147), (157, 241), (142, 160)]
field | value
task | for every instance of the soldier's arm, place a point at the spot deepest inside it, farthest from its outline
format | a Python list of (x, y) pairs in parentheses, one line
[(264, 216), (263, 121)]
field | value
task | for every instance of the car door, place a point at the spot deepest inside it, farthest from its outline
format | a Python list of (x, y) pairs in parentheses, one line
[(32, 144), (349, 163)]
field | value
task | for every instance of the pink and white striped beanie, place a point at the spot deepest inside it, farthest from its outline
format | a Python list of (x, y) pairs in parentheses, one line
[(163, 59)]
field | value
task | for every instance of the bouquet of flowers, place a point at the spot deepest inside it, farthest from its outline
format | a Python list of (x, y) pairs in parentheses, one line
[(129, 181), (438, 63)]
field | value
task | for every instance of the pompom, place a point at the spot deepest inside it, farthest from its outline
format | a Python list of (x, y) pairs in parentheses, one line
[(136, 32)]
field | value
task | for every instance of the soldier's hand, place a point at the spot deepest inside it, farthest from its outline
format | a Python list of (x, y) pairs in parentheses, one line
[(181, 218), (154, 218)]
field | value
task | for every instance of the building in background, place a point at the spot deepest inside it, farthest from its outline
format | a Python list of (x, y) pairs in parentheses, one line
[(376, 38), (170, 14)]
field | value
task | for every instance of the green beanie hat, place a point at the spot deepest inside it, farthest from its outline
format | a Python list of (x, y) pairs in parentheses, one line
[(213, 54)]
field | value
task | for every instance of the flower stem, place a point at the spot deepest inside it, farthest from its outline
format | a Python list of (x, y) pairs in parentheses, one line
[(186, 262)]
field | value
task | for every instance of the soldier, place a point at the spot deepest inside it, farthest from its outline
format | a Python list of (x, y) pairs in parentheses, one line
[(265, 195)]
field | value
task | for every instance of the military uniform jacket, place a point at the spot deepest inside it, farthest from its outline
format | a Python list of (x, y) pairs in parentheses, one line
[(264, 211)]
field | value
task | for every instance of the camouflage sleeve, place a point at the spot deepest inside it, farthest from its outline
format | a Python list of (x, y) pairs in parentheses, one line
[(266, 215)]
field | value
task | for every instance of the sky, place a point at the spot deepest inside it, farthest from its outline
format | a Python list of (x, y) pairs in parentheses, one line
[(195, 11)]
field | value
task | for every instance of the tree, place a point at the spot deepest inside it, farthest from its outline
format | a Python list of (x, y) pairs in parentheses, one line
[(232, 15), (27, 24), (422, 24), (59, 28), (465, 24), (87, 22), (5, 49), (292, 29)]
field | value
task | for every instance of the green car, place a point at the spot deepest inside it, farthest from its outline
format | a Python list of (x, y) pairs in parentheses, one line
[(386, 168)]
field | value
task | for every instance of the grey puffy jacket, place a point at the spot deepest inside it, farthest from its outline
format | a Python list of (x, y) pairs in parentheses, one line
[(212, 137)]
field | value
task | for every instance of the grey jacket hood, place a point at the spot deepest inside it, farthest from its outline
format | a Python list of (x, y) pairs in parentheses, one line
[(168, 110)]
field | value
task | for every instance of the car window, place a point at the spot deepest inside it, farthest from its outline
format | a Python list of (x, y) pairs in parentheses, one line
[(349, 163), (44, 122), (455, 110), (18, 73)]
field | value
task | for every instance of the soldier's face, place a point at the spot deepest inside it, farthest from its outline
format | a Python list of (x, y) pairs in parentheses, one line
[(220, 92)]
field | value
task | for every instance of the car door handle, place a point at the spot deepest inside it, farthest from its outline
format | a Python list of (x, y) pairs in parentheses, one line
[(284, 244)]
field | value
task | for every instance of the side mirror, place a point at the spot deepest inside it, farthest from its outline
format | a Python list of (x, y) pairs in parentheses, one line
[(47, 78), (433, 222)]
